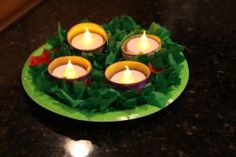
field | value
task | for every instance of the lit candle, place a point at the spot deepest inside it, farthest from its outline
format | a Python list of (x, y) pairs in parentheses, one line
[(87, 40), (87, 37), (70, 68), (69, 71), (128, 76), (141, 44)]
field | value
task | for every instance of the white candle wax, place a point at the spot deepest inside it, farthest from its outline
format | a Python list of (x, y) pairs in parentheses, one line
[(60, 71), (133, 46), (134, 77), (79, 41)]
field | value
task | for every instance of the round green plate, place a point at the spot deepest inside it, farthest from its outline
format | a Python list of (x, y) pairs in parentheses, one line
[(58, 107)]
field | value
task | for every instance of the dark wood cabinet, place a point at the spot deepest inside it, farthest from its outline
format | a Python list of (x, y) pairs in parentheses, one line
[(14, 9)]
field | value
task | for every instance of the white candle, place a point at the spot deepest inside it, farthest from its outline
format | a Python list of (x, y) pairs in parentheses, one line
[(87, 40), (128, 76), (69, 71), (142, 45)]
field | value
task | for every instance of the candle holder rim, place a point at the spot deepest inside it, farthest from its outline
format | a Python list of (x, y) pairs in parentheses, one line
[(88, 70), (125, 42), (105, 39)]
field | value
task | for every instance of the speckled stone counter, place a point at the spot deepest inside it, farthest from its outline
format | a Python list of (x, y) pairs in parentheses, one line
[(201, 122)]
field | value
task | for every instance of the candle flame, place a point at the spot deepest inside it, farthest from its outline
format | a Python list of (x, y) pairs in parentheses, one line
[(70, 72), (127, 76), (144, 43), (87, 36)]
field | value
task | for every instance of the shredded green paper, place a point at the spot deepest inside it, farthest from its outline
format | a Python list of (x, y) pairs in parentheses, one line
[(99, 95)]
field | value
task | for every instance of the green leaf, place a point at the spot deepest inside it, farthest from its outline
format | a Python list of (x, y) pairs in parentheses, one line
[(154, 28), (68, 99), (111, 57), (176, 50), (61, 33), (79, 88), (128, 23), (42, 81), (157, 61), (63, 51), (100, 57), (97, 65), (91, 92), (88, 56), (100, 103), (172, 74), (157, 99), (160, 83), (99, 60), (111, 44), (106, 102), (65, 87), (160, 31), (147, 89), (171, 59), (164, 34), (36, 70), (109, 92), (127, 94), (97, 75), (131, 102), (119, 34), (53, 41), (142, 58), (124, 23)]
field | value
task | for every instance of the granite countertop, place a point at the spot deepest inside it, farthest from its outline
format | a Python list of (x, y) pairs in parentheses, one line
[(201, 122)]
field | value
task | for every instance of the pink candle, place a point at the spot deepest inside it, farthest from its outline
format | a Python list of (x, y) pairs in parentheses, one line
[(69, 71), (128, 76), (142, 45), (87, 40)]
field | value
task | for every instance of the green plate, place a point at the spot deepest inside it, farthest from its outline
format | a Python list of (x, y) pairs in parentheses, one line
[(60, 108)]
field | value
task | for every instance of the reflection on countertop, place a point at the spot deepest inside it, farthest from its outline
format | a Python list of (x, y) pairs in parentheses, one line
[(80, 148)]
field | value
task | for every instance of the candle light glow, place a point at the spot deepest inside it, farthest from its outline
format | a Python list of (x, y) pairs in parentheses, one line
[(87, 36), (127, 76), (143, 42), (80, 148), (70, 72)]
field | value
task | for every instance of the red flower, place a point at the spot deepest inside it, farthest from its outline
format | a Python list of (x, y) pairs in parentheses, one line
[(45, 58), (153, 70), (89, 82)]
